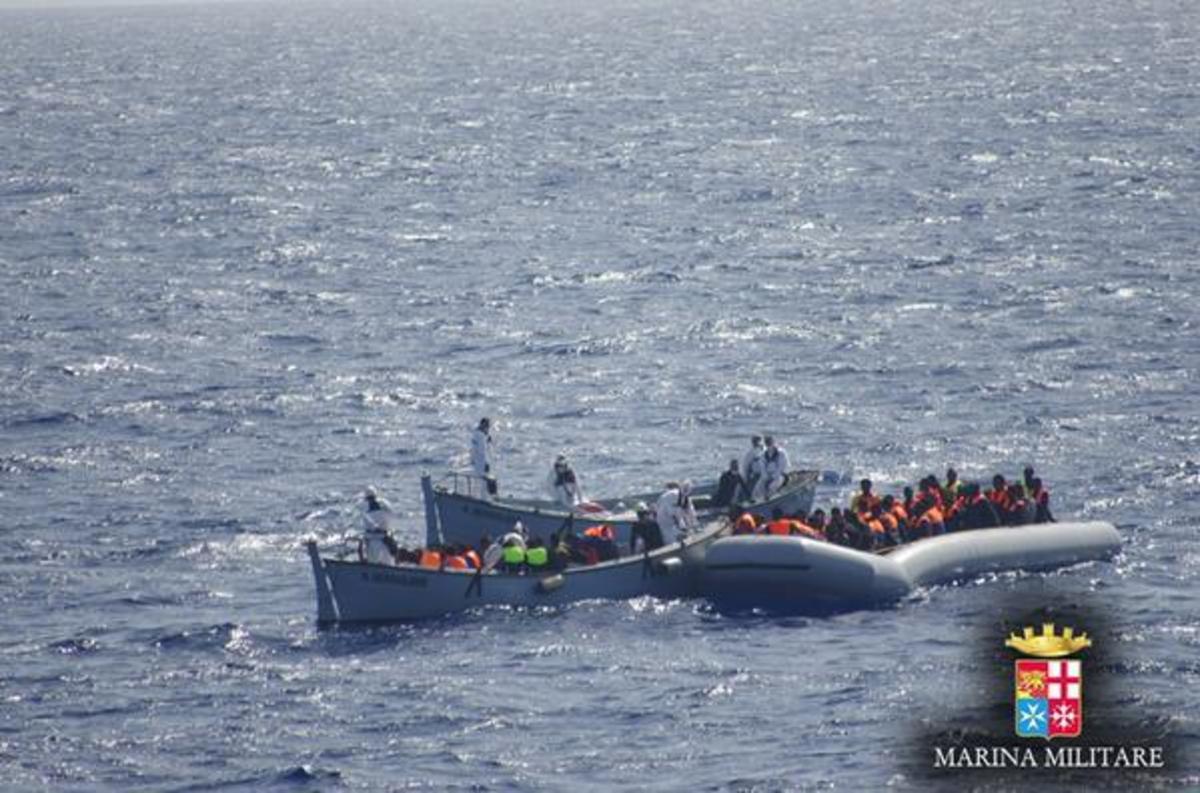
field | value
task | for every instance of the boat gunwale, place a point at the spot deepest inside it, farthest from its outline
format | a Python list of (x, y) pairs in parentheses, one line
[(711, 533), (809, 478)]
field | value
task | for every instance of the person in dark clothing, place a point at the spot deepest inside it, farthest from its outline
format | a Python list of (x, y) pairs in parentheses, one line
[(731, 487), (1017, 511), (978, 512), (1041, 502), (646, 529)]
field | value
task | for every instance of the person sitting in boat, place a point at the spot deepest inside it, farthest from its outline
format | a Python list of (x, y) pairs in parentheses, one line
[(675, 512), (864, 499), (537, 556), (998, 494), (775, 467), (753, 468), (745, 523), (838, 531), (564, 483), (377, 545), (482, 456), (1027, 477), (978, 512), (731, 487), (599, 544), (952, 486), (644, 531), (1040, 497), (1017, 510)]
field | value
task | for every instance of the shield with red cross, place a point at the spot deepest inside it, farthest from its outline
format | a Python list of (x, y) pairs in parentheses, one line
[(1049, 701)]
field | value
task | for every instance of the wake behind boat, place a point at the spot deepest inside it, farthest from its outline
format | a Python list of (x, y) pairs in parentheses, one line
[(359, 591), (458, 509)]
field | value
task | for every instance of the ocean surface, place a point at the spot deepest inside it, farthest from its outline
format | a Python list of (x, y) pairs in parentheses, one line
[(255, 257)]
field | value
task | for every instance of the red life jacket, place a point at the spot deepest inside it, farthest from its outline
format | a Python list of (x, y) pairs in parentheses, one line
[(781, 527)]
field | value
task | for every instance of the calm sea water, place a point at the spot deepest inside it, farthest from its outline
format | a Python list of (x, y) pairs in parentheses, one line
[(256, 257)]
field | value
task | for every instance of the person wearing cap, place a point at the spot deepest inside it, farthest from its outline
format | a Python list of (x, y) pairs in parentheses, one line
[(731, 487), (646, 529), (482, 456), (377, 545), (564, 483), (753, 467), (775, 467)]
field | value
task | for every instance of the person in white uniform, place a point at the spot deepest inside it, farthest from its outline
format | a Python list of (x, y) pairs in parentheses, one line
[(483, 457), (754, 468), (377, 545), (775, 468), (674, 511)]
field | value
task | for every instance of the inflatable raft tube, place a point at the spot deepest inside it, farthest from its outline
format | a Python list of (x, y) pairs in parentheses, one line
[(795, 573)]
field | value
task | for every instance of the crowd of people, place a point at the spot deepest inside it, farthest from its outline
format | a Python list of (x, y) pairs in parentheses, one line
[(873, 522), (515, 552), (869, 522)]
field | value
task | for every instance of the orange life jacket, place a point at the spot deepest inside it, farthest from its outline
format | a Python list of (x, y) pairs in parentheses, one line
[(456, 562), (889, 521), (431, 559), (932, 517), (745, 524), (599, 532), (781, 527), (473, 559), (875, 526), (999, 498), (899, 513)]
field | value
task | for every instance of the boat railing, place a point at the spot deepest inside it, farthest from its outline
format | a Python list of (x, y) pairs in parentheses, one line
[(463, 483)]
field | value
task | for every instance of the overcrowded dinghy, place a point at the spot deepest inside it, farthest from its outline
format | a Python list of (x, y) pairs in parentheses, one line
[(801, 574), (357, 591), (458, 511)]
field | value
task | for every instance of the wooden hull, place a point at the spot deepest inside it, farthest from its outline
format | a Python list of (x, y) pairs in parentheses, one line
[(456, 517), (360, 592)]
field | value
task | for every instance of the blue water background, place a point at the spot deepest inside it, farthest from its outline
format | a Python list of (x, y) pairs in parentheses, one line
[(254, 257)]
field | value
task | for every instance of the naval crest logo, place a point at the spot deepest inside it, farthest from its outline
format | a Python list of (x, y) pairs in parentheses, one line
[(1049, 686)]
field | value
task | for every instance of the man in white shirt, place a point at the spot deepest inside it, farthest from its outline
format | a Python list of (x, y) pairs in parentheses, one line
[(482, 455), (377, 545), (775, 468)]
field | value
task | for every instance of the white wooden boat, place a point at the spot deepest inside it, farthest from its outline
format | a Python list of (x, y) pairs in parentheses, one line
[(795, 573), (353, 591), (456, 511)]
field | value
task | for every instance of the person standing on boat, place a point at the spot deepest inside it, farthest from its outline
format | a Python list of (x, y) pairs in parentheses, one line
[(775, 468), (644, 529), (753, 467), (482, 456), (377, 545), (564, 483), (731, 487), (675, 511)]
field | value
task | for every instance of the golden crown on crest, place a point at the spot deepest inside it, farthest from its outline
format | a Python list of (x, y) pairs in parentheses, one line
[(1049, 644)]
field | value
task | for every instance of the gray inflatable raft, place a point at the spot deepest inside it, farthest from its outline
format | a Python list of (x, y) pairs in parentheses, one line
[(801, 574)]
